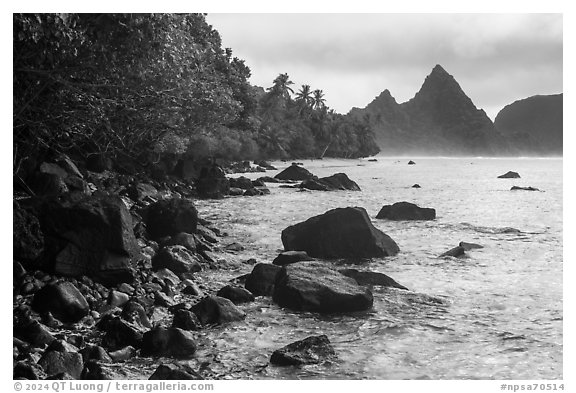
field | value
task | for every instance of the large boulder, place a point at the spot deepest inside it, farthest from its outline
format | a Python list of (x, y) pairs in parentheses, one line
[(63, 300), (27, 237), (294, 172), (212, 183), (171, 342), (171, 216), (178, 259), (218, 310), (96, 237), (406, 211), (338, 181), (509, 175), (262, 278), (54, 362), (311, 350), (339, 233), (313, 286)]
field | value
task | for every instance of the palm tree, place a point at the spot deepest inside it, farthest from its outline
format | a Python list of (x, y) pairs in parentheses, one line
[(318, 101), (304, 95), (281, 86)]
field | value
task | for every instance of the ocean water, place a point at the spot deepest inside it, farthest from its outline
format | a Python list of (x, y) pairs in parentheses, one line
[(496, 314)]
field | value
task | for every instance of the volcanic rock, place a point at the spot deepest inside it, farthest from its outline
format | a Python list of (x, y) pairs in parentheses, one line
[(339, 233), (63, 300), (311, 350), (406, 211), (262, 278), (313, 286)]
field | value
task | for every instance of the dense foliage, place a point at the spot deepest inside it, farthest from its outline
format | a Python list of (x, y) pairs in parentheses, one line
[(139, 86)]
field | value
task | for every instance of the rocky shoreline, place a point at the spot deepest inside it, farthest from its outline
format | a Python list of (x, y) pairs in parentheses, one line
[(110, 269)]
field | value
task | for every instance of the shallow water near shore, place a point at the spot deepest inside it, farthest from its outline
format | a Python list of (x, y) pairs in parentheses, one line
[(496, 314)]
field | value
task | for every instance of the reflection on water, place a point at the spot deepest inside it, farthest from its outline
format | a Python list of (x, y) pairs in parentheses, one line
[(496, 314)]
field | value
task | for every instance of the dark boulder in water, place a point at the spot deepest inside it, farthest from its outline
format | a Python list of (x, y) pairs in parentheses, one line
[(294, 172), (509, 175), (96, 238), (469, 246), (411, 162), (517, 188), (338, 181), (339, 233), (215, 309), (311, 350), (170, 217), (241, 182), (313, 286), (288, 257), (63, 300), (416, 186), (171, 342), (455, 252), (371, 278), (406, 211), (262, 278)]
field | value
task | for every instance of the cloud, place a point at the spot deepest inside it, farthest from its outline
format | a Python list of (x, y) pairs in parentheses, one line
[(497, 58)]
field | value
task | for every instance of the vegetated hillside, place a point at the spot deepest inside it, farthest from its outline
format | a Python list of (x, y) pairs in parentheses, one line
[(136, 89), (533, 125), (440, 119)]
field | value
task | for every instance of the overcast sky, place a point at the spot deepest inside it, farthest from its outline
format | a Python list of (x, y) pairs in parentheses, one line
[(496, 58)]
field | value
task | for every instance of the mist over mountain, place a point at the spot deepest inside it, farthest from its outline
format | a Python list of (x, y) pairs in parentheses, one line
[(439, 120), (533, 125)]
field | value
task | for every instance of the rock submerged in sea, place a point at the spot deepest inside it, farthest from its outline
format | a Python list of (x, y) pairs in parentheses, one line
[(406, 211), (339, 233), (314, 286), (517, 188), (294, 172), (311, 350), (338, 181), (455, 252), (509, 175)]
